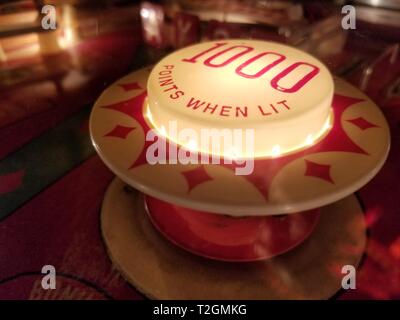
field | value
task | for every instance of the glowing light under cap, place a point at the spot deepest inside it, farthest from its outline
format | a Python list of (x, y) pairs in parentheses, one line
[(280, 92)]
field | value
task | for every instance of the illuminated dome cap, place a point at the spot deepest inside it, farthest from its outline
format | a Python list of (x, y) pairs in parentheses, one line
[(280, 92)]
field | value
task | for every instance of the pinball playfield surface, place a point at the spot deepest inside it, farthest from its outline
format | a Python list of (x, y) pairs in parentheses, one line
[(52, 182)]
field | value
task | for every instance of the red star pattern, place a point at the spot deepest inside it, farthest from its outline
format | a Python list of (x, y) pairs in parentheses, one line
[(362, 123), (195, 177), (337, 140), (265, 170), (132, 107), (318, 170), (120, 132), (130, 86)]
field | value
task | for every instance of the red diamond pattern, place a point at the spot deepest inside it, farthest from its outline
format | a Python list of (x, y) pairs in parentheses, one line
[(265, 170), (196, 176), (120, 132), (362, 123), (318, 170)]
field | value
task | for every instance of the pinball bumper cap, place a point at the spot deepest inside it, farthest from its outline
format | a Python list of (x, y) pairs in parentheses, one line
[(315, 138)]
